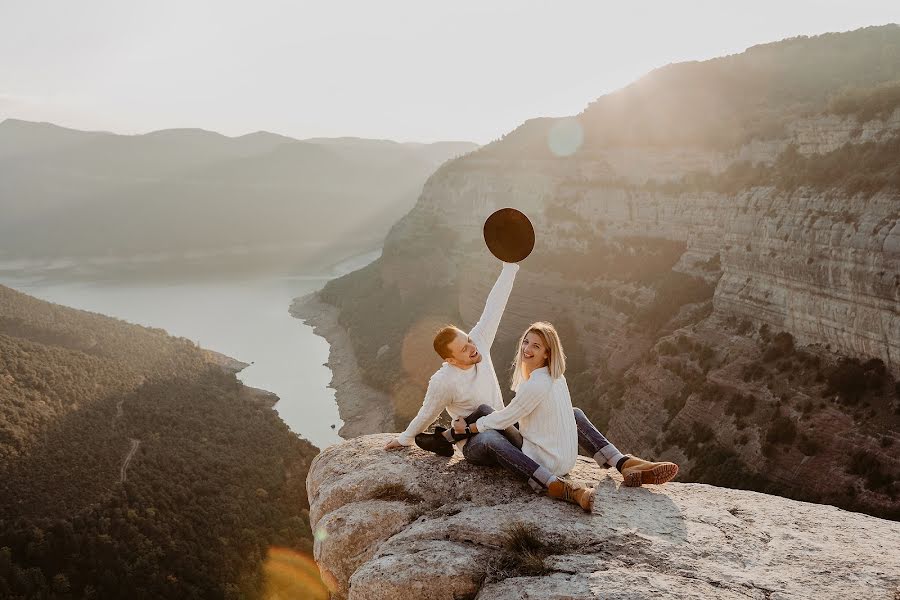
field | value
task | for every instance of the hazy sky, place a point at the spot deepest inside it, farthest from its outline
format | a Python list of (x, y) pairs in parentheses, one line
[(416, 70)]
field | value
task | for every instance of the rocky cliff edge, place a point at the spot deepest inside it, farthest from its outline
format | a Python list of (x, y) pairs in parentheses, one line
[(408, 524)]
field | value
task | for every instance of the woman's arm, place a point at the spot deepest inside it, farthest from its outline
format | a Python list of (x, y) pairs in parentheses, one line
[(530, 394)]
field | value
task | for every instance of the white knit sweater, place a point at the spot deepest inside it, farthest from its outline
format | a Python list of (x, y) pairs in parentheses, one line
[(461, 391), (543, 408)]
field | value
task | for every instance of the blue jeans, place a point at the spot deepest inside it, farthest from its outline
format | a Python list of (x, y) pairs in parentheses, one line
[(591, 440), (495, 448)]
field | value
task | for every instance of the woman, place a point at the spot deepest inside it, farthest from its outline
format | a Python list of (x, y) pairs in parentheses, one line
[(551, 430)]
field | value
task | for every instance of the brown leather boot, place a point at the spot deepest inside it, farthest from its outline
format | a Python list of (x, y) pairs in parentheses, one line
[(581, 495), (637, 471)]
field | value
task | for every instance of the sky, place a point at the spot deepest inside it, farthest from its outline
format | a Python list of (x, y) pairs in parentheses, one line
[(405, 70)]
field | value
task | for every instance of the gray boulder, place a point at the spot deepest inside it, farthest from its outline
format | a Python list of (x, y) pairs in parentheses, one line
[(409, 524)]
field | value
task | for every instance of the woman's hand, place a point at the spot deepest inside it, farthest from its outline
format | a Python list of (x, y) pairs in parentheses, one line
[(459, 426)]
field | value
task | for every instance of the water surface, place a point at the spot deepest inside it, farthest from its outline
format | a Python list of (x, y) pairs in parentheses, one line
[(246, 319)]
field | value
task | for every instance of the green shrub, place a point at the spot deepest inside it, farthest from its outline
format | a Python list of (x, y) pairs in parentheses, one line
[(782, 344), (867, 103), (673, 404), (847, 378), (867, 465), (740, 406), (808, 445), (781, 431)]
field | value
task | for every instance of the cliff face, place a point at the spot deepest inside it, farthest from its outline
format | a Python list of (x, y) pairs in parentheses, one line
[(733, 305), (413, 525), (819, 264)]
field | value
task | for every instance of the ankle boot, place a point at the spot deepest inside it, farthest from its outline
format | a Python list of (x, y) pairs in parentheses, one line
[(581, 495)]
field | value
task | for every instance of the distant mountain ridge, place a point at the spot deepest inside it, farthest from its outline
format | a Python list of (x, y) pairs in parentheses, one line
[(68, 193)]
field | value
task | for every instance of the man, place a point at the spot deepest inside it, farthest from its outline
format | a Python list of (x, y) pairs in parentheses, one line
[(467, 378)]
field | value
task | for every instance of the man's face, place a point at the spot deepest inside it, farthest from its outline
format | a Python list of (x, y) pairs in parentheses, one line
[(463, 353)]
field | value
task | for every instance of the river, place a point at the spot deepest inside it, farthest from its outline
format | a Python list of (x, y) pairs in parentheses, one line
[(246, 319)]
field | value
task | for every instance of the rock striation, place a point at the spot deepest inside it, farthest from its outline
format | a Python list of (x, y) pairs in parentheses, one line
[(408, 524)]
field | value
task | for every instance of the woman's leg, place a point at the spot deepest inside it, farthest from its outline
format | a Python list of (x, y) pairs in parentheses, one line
[(635, 471), (491, 447), (488, 448), (590, 438)]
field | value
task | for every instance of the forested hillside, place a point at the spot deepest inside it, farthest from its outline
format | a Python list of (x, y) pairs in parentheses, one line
[(134, 468)]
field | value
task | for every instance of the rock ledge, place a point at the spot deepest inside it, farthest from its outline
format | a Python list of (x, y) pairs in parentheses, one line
[(408, 524)]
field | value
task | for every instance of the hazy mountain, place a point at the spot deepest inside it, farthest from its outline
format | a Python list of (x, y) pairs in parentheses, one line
[(177, 192)]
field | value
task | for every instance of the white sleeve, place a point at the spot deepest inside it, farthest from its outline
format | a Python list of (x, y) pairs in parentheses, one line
[(436, 400), (530, 394), (486, 329)]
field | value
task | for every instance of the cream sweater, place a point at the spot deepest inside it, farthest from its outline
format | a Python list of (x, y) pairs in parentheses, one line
[(543, 409), (461, 391)]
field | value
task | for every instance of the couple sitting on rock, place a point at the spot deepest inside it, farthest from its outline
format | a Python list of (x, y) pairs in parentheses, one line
[(545, 444)]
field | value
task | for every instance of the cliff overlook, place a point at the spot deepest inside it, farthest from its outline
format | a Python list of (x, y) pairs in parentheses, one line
[(414, 525), (718, 245)]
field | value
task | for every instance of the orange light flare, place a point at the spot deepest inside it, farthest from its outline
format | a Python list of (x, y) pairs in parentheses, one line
[(417, 352), (292, 575)]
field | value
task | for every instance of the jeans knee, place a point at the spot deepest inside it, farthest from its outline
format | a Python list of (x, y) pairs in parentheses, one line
[(579, 414), (479, 412), (492, 437)]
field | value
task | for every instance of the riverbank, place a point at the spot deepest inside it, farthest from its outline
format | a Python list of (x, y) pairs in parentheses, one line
[(362, 408), (228, 364)]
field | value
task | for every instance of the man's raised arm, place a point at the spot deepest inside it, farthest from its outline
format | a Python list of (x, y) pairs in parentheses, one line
[(486, 329)]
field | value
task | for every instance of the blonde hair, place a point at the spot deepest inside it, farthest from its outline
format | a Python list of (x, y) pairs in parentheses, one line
[(556, 359)]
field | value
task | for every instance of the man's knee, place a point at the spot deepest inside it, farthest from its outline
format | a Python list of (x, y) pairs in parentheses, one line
[(579, 413), (484, 409)]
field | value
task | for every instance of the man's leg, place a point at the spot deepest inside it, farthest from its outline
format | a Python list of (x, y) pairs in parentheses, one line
[(491, 447), (511, 433), (635, 471)]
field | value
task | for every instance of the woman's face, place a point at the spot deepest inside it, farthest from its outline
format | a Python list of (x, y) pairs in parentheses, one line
[(534, 351)]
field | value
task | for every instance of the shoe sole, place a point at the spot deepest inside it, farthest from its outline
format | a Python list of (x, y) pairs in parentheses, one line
[(658, 475)]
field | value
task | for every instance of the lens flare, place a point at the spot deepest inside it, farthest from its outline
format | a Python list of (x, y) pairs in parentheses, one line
[(290, 574), (417, 352), (565, 137)]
